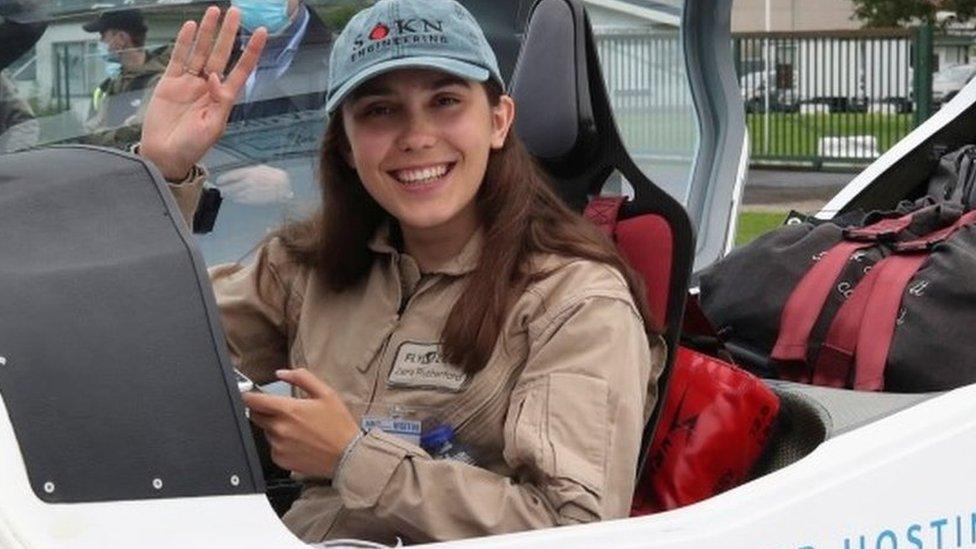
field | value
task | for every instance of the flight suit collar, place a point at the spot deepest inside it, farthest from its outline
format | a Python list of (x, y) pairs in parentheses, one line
[(461, 264)]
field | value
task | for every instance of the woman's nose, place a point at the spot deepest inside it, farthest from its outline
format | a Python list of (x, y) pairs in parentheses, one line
[(418, 134)]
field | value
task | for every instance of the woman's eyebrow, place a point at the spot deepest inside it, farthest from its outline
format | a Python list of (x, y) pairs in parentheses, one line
[(377, 89), (370, 89), (448, 80)]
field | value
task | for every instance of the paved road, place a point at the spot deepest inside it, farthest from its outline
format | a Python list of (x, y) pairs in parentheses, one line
[(784, 190)]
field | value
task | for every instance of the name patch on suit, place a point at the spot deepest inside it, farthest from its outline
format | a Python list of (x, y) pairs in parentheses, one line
[(422, 366)]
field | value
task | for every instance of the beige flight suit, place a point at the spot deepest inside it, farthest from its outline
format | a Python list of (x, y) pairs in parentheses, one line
[(554, 419)]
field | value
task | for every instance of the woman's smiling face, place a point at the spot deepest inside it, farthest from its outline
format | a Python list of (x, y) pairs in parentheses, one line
[(419, 141)]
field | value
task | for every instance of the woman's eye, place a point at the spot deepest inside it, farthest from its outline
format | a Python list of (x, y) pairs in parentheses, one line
[(447, 101), (378, 110)]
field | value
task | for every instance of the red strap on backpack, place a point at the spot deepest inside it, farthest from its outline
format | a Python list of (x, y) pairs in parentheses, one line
[(852, 341), (836, 356), (808, 298), (874, 340), (874, 337)]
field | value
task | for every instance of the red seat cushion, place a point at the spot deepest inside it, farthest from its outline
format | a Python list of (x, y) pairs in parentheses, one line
[(646, 242)]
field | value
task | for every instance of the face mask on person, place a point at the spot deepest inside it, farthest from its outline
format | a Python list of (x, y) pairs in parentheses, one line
[(110, 57), (270, 14), (113, 68)]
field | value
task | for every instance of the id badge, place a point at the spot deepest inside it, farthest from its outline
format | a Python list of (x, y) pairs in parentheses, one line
[(401, 421)]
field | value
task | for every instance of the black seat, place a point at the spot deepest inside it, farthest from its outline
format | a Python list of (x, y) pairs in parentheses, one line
[(566, 120)]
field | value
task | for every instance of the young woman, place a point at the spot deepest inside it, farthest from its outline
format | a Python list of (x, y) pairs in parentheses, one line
[(469, 357)]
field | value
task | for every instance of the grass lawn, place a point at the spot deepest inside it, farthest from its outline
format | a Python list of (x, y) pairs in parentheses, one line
[(798, 135), (753, 224), (792, 135)]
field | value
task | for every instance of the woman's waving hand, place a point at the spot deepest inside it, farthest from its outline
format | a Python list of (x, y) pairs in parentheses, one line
[(190, 105)]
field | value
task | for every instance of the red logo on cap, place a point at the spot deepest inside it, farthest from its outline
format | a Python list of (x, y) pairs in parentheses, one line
[(379, 32)]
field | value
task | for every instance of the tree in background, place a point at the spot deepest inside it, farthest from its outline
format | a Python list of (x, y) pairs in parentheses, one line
[(897, 13)]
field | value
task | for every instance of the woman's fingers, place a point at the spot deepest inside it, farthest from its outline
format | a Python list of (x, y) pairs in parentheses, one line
[(265, 404), (306, 381), (204, 41), (225, 43), (217, 91), (247, 62), (181, 49)]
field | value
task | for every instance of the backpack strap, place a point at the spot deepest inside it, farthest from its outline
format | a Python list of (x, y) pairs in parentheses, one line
[(884, 300), (836, 357), (808, 298), (874, 338)]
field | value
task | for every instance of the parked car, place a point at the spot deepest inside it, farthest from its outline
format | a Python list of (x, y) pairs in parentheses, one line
[(947, 82), (753, 87)]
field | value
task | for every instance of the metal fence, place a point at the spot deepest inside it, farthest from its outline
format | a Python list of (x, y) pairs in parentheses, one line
[(645, 78), (838, 97), (811, 98), (648, 89)]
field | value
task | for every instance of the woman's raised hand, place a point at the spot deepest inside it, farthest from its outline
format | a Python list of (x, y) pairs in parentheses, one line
[(190, 105)]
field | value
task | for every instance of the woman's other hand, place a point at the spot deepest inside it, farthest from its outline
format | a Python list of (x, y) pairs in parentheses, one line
[(190, 105), (307, 435)]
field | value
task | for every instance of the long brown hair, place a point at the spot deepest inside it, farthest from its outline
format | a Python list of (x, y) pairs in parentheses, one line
[(520, 214)]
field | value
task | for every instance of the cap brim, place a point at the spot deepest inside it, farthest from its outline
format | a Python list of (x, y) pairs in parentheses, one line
[(461, 69), (93, 26)]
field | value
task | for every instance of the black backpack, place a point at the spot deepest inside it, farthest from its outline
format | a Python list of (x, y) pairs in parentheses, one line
[(878, 301)]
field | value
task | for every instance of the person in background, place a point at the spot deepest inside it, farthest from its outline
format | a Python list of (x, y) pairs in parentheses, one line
[(292, 73), (120, 100), (18, 127), (291, 76)]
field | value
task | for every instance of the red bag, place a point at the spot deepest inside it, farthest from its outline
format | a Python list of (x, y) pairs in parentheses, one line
[(713, 427)]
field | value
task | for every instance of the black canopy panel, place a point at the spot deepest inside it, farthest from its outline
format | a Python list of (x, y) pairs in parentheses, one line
[(115, 373)]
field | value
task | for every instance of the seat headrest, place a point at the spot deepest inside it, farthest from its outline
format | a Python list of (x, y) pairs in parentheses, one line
[(550, 86)]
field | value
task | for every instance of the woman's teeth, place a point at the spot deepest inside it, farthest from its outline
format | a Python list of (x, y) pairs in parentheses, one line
[(422, 175)]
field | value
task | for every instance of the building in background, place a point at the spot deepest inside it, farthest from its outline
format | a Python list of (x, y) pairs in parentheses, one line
[(793, 15), (610, 15)]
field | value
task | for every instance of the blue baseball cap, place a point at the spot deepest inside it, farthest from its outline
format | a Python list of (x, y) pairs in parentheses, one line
[(401, 34)]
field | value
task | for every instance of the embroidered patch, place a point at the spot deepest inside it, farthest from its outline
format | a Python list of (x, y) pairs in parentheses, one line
[(422, 366)]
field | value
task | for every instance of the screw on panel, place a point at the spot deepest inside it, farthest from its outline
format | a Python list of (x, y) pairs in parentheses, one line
[(49, 487), (235, 480), (3, 361), (157, 483)]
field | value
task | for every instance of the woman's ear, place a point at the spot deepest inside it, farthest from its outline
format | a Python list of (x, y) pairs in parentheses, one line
[(502, 116)]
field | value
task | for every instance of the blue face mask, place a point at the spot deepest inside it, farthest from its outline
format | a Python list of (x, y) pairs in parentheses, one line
[(110, 57), (113, 69), (270, 14)]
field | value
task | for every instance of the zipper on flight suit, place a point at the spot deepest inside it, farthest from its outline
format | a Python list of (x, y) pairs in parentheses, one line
[(405, 302)]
